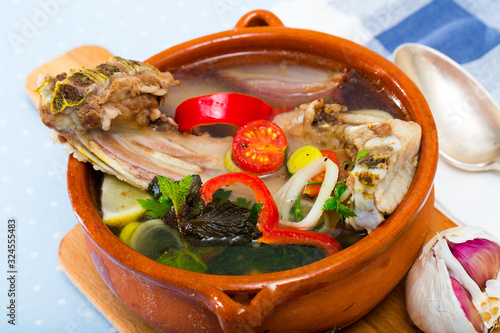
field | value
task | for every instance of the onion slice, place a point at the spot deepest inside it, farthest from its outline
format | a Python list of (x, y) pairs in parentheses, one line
[(286, 196), (284, 86)]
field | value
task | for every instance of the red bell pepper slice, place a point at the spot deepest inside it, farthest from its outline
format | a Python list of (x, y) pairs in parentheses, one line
[(268, 218), (228, 108)]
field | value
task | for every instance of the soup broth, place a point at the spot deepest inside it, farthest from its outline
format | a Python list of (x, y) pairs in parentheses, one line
[(306, 74)]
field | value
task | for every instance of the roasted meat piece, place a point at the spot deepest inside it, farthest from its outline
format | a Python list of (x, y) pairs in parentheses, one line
[(380, 179), (109, 116), (117, 87)]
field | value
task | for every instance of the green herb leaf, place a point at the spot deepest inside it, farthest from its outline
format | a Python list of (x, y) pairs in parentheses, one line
[(156, 208), (242, 202), (297, 213), (351, 164), (254, 212), (339, 190), (362, 153), (330, 204), (221, 195), (184, 259), (344, 211), (335, 204), (314, 183), (359, 156), (289, 174), (177, 192), (185, 184)]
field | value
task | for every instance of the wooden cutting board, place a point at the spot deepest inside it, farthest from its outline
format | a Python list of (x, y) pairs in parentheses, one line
[(389, 316)]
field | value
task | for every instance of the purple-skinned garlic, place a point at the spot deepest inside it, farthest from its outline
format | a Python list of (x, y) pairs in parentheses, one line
[(479, 257), (467, 306), (454, 286)]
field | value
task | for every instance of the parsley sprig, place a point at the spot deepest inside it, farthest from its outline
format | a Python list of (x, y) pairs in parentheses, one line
[(223, 195), (334, 203), (156, 208), (359, 156)]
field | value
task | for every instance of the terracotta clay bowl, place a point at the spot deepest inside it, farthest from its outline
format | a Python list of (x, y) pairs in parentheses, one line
[(332, 292)]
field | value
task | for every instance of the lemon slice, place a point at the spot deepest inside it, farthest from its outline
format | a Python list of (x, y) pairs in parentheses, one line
[(119, 202), (229, 162), (128, 231)]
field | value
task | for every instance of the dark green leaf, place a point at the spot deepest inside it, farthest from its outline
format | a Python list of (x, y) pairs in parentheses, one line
[(223, 222), (254, 212), (221, 195), (243, 202), (154, 188)]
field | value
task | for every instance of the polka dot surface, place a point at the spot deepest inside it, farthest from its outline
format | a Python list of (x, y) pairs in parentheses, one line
[(32, 168)]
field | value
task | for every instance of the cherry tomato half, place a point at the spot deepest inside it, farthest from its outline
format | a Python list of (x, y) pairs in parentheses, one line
[(259, 146)]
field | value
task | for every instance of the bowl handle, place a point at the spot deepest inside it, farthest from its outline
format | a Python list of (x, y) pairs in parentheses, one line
[(235, 316), (259, 18)]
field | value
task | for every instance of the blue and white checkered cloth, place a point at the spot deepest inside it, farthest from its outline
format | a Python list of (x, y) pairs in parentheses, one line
[(32, 170)]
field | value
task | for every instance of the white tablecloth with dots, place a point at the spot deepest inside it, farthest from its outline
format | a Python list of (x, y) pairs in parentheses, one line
[(32, 168)]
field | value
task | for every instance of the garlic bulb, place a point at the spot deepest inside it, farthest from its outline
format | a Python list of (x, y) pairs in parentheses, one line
[(454, 285)]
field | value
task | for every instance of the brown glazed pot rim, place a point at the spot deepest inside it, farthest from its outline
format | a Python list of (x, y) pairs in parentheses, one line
[(248, 30)]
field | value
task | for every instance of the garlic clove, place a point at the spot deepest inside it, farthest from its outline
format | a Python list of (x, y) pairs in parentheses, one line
[(479, 257), (430, 299), (493, 287), (455, 270), (468, 308)]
